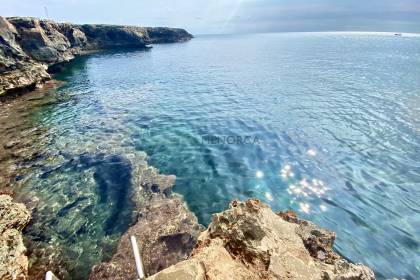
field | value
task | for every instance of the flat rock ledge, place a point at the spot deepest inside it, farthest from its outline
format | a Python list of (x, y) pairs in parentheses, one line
[(250, 241), (31, 48), (13, 218)]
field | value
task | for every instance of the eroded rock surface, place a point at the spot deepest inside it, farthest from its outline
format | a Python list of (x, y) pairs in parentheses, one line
[(30, 46), (166, 233), (250, 241), (13, 218)]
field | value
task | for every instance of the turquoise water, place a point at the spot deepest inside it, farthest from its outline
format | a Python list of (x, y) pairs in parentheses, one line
[(325, 123)]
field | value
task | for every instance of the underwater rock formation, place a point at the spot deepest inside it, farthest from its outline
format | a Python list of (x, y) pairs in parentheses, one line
[(250, 241), (165, 229), (13, 218), (29, 47)]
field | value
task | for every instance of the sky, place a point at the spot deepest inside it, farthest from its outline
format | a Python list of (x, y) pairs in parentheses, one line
[(230, 16)]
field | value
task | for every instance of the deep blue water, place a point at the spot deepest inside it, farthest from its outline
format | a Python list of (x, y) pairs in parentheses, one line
[(325, 123)]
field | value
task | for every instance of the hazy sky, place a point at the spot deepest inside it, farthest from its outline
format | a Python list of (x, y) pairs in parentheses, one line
[(227, 16)]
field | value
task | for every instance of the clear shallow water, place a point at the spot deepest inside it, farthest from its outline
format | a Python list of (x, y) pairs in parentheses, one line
[(334, 121)]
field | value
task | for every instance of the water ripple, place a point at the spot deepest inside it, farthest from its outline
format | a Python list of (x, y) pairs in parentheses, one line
[(336, 116)]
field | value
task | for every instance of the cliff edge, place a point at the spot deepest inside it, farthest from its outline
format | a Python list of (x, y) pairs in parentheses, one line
[(250, 241), (247, 241), (30, 47)]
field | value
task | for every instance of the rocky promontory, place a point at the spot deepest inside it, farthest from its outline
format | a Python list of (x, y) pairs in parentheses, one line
[(247, 241), (31, 48)]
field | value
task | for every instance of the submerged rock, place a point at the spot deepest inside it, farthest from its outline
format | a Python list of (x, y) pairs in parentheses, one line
[(30, 46), (165, 230), (13, 218), (250, 241)]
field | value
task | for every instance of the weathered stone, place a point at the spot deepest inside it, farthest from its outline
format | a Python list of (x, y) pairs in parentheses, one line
[(187, 270), (42, 40), (166, 233), (318, 241), (249, 241), (76, 37), (13, 218), (110, 36), (166, 35), (11, 54)]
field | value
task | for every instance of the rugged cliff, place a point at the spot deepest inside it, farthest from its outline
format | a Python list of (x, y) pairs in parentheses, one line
[(30, 47)]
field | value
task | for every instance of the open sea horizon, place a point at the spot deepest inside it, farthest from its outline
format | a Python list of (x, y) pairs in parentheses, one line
[(324, 123)]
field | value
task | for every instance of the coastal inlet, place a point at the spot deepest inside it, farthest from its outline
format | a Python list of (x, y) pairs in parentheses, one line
[(336, 116)]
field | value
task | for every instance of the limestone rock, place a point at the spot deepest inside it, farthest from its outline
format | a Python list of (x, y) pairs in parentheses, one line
[(42, 40), (11, 54), (13, 218), (187, 270), (111, 36), (26, 77), (250, 241), (166, 233), (167, 35), (75, 36)]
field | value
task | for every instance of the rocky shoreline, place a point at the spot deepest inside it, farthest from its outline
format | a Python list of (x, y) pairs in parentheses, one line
[(250, 241), (247, 241), (31, 48)]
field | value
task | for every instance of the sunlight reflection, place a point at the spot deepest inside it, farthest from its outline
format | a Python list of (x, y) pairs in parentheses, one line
[(304, 207), (286, 172), (259, 174), (311, 152), (304, 190), (313, 188), (269, 196)]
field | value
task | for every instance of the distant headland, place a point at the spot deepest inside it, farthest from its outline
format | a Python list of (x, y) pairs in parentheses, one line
[(32, 48)]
